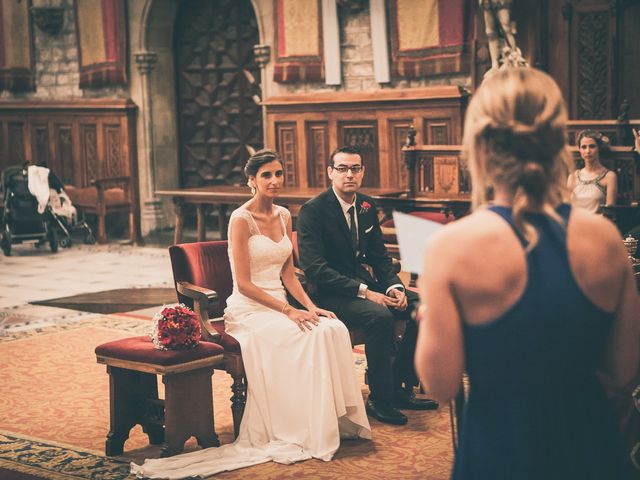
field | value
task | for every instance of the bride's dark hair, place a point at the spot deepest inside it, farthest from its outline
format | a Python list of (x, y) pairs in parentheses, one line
[(258, 159)]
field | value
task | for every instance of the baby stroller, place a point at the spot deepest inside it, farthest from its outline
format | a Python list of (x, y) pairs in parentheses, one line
[(66, 215), (22, 218)]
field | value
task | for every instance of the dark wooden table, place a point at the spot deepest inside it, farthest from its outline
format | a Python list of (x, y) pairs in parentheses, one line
[(229, 195)]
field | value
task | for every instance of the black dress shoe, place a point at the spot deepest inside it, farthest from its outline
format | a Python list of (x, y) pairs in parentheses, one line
[(385, 413), (408, 401)]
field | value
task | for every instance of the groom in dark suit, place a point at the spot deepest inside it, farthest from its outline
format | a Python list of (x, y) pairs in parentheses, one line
[(338, 232)]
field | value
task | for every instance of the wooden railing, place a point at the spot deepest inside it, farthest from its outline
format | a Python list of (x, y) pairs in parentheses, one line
[(440, 170), (618, 131)]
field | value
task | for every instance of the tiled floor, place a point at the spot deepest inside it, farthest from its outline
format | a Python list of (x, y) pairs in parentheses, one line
[(31, 274)]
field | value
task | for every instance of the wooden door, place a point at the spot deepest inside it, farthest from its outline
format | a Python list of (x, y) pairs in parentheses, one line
[(583, 61), (218, 82)]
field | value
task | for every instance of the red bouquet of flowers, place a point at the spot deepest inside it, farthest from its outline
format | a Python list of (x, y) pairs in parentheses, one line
[(175, 328)]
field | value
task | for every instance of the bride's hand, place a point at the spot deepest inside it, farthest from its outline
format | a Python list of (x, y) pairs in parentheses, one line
[(302, 318), (321, 312)]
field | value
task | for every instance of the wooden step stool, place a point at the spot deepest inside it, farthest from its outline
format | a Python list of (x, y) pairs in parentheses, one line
[(132, 364)]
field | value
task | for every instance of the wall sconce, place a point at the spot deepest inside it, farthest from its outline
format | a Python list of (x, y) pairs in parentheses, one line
[(48, 19), (262, 54)]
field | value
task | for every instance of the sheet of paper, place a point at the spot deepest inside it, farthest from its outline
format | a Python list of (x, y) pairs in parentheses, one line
[(412, 233)]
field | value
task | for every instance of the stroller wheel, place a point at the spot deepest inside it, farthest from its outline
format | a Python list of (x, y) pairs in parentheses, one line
[(5, 241), (53, 240), (65, 242), (89, 239)]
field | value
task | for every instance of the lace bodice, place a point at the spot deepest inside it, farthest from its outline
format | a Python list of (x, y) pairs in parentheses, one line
[(266, 257)]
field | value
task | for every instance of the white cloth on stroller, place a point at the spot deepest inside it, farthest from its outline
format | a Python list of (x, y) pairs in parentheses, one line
[(61, 206), (38, 184)]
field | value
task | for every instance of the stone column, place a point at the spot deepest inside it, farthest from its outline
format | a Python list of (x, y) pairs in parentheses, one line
[(152, 217), (262, 54)]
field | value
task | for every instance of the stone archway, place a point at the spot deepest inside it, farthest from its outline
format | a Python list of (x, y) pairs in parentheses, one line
[(153, 89)]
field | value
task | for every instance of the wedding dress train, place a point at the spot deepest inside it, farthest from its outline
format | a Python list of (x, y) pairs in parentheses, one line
[(302, 395)]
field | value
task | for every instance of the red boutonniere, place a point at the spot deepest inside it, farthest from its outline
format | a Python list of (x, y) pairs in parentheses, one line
[(364, 207)]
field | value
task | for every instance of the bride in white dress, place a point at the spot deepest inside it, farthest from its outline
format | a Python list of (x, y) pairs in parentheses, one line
[(303, 395)]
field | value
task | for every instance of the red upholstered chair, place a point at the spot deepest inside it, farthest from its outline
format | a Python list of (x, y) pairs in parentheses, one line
[(202, 277)]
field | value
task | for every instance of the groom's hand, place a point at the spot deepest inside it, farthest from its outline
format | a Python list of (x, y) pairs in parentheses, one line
[(380, 298), (399, 299)]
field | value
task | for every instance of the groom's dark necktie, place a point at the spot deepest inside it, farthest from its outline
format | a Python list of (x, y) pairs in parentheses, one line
[(353, 228)]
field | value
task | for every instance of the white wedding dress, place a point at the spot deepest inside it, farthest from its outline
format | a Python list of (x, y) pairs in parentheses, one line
[(303, 394)]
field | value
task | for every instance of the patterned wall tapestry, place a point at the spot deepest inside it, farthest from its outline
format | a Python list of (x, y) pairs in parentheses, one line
[(298, 41), (427, 37), (17, 61), (102, 42)]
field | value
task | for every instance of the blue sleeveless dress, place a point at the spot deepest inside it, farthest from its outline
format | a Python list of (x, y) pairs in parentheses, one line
[(535, 408)]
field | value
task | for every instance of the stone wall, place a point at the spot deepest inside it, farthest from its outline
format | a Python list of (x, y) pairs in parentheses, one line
[(356, 53), (57, 68)]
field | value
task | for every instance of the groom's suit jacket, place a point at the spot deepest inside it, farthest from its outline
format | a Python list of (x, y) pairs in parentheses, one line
[(327, 254)]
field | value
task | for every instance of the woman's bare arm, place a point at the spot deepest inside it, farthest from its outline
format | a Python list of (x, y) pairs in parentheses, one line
[(571, 181), (622, 359), (611, 181), (439, 358)]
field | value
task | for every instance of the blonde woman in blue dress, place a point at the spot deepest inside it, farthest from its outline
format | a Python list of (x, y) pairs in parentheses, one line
[(594, 185), (303, 393)]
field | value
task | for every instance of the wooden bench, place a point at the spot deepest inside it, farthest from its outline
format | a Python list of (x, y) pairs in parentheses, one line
[(132, 364)]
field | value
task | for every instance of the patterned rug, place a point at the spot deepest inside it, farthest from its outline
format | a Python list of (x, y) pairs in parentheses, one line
[(54, 417)]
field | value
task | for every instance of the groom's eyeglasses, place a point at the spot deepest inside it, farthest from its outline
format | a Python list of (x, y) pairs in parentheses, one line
[(355, 169)]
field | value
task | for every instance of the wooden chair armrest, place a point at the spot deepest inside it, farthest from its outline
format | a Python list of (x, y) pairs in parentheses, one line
[(197, 293), (202, 298)]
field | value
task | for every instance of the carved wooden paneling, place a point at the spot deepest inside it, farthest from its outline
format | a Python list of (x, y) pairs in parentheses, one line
[(218, 90), (89, 145), (287, 144), (425, 173), (594, 64), (317, 136), (40, 139), (618, 133), (437, 131), (16, 143), (65, 169), (377, 121), (364, 135), (398, 131), (82, 140), (113, 158), (445, 174), (626, 172)]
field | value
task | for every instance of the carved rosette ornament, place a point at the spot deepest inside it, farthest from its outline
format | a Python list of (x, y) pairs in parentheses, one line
[(145, 61)]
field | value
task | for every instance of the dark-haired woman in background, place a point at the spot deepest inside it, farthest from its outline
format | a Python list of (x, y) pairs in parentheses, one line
[(303, 394), (550, 301), (593, 185)]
